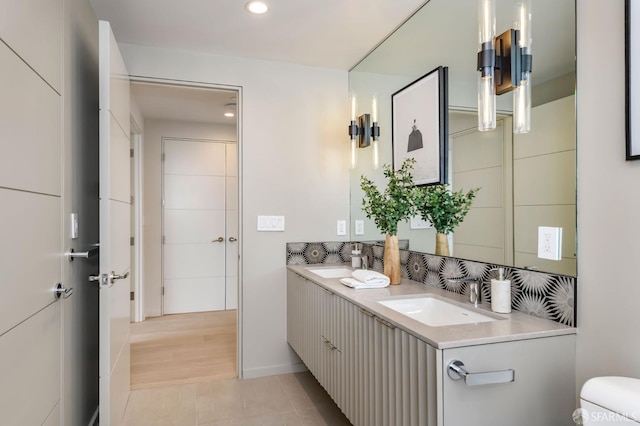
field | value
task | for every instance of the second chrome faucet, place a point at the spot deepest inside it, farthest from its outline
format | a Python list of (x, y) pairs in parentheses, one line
[(475, 290)]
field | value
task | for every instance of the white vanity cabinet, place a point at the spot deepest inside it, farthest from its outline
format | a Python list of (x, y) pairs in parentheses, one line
[(376, 373), (380, 374)]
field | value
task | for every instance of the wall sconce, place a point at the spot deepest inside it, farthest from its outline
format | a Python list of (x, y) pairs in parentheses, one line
[(504, 65), (363, 130)]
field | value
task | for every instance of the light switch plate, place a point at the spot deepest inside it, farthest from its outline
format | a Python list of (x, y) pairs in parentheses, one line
[(74, 226), (549, 243), (359, 225), (271, 223), (341, 227)]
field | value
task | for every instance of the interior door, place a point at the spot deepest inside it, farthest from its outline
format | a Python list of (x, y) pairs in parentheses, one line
[(114, 230), (194, 226)]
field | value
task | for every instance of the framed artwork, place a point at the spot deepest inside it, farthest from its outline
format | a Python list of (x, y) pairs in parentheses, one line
[(632, 79), (420, 121)]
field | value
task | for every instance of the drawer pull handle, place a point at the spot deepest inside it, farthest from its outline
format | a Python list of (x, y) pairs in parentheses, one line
[(367, 313), (456, 371), (383, 322)]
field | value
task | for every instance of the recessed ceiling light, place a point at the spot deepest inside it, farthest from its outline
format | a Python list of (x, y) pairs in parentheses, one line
[(257, 7), (230, 110)]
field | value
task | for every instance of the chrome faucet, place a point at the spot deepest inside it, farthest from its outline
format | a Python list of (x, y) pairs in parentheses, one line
[(475, 286), (364, 262)]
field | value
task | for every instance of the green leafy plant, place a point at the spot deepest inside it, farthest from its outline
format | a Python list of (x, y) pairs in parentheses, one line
[(445, 209), (396, 203)]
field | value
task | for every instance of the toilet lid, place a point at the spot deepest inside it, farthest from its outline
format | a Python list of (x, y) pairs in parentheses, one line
[(618, 394)]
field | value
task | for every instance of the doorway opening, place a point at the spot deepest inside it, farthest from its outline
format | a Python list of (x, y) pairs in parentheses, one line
[(190, 233)]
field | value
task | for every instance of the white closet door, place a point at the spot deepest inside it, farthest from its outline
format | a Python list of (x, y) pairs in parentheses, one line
[(194, 226)]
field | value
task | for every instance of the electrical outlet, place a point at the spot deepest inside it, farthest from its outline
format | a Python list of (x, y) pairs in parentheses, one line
[(342, 227), (359, 227), (549, 243)]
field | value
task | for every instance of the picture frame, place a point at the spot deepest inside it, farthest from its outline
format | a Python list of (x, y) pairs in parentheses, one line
[(420, 125), (632, 82)]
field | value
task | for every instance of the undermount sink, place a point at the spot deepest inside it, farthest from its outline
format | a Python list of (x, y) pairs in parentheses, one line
[(435, 312), (332, 272)]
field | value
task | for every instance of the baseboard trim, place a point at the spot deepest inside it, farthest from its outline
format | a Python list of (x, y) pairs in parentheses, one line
[(254, 373)]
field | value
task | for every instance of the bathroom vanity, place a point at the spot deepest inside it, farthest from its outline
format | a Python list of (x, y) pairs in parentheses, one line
[(383, 367)]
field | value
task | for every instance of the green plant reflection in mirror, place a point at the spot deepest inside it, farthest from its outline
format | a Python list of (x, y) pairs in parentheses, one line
[(528, 180)]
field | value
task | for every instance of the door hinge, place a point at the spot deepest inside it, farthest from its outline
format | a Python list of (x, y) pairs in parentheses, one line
[(164, 239), (131, 153), (163, 156), (132, 298), (133, 241), (132, 199), (163, 290)]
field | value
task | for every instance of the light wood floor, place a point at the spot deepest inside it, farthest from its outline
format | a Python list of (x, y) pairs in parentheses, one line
[(184, 348)]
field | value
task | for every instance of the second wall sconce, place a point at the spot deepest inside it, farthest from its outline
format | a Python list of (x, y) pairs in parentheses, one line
[(364, 131), (504, 65)]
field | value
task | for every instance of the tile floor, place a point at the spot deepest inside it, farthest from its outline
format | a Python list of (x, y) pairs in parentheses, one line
[(288, 399)]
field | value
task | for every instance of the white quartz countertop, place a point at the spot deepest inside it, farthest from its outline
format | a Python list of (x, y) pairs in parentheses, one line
[(511, 327)]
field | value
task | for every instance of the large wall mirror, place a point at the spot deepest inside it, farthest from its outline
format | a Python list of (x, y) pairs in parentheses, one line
[(526, 180)]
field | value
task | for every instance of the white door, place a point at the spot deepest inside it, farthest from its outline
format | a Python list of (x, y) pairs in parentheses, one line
[(114, 230), (194, 226), (31, 203)]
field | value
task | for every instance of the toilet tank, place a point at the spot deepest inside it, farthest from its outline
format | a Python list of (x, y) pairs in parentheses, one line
[(609, 401)]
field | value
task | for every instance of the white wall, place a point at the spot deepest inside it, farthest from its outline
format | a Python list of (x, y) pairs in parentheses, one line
[(294, 149), (155, 130), (608, 201)]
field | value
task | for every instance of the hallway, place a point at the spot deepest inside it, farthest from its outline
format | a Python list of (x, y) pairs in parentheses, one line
[(184, 348)]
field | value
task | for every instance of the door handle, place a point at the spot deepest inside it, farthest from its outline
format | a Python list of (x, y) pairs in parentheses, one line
[(61, 291), (232, 239), (113, 276), (218, 240)]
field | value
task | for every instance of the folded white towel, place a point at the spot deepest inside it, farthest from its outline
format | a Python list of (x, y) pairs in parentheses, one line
[(356, 284), (370, 277)]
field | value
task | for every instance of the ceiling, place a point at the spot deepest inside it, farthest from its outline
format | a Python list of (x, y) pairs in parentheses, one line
[(329, 33)]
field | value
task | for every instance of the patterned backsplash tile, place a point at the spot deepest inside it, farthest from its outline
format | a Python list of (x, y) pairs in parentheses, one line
[(542, 294)]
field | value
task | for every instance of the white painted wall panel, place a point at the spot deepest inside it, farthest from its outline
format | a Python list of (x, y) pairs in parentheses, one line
[(545, 179), (32, 160), (194, 295), (30, 363), (490, 182), (30, 259), (482, 227), (194, 192), (477, 150), (33, 29), (553, 130), (194, 158)]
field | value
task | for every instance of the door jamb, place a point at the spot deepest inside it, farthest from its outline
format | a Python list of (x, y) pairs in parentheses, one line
[(239, 147)]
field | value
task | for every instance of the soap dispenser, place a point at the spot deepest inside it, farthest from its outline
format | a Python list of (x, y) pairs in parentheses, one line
[(356, 259), (500, 293)]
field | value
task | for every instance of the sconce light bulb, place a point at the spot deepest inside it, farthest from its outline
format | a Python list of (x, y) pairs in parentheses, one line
[(353, 154)]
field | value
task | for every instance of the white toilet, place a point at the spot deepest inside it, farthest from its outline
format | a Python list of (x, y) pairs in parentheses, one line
[(609, 401)]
